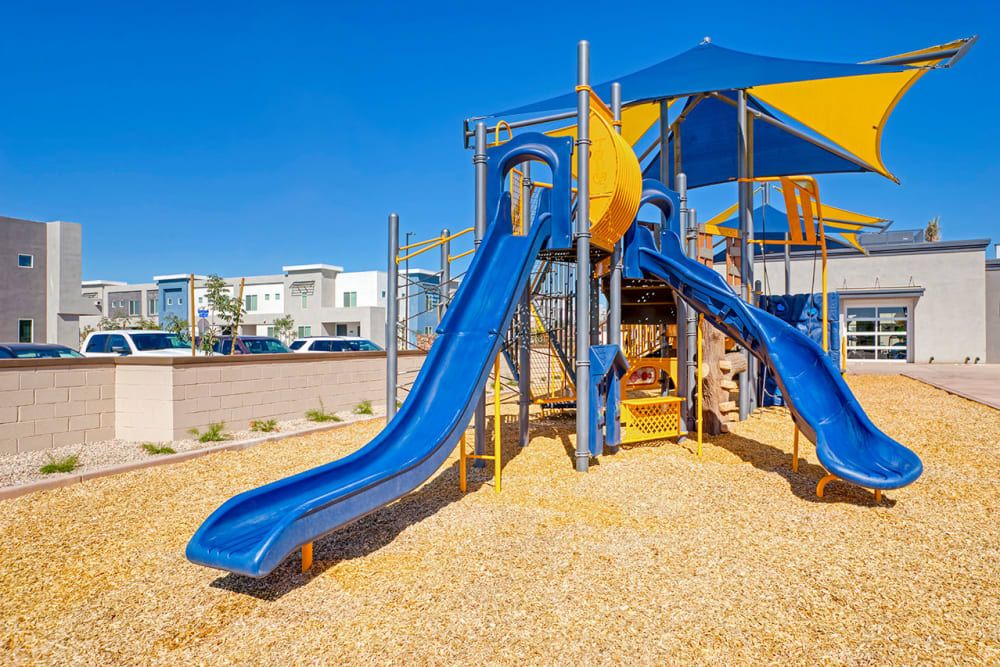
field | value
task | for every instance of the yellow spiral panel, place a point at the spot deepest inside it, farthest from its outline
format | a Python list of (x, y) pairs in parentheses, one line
[(615, 176), (615, 179)]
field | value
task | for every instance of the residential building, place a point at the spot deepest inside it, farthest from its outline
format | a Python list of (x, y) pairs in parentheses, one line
[(40, 272), (907, 300), (322, 299)]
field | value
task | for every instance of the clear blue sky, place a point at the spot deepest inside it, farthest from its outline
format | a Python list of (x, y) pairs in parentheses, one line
[(238, 137)]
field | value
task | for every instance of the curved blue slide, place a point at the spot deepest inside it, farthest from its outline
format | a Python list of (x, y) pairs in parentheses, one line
[(847, 443), (253, 532)]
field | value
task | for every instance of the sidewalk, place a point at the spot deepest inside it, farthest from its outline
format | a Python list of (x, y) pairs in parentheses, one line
[(975, 382)]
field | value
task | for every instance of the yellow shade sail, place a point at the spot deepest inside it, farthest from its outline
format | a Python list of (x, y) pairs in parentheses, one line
[(849, 111)]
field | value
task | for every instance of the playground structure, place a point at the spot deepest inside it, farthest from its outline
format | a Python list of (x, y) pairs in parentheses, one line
[(543, 254)]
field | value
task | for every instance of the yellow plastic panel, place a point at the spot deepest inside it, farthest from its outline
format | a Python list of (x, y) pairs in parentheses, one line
[(615, 177)]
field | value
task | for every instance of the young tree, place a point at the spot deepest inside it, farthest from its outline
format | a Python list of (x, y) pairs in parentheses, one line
[(933, 231), (223, 305), (284, 328), (116, 319), (176, 325)]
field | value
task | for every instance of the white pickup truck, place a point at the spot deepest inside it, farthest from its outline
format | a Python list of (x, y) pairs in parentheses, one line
[(136, 342)]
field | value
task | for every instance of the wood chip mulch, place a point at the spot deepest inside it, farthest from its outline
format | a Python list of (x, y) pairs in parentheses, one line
[(654, 557)]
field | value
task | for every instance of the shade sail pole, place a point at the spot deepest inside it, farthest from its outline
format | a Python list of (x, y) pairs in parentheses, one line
[(745, 196)]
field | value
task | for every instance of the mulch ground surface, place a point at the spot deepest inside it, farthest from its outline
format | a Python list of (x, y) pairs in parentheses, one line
[(655, 556)]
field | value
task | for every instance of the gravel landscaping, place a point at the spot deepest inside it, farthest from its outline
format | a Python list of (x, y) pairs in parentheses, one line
[(25, 467)]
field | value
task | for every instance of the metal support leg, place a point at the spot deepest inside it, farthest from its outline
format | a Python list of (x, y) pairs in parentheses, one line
[(615, 287), (583, 258), (392, 320), (479, 159)]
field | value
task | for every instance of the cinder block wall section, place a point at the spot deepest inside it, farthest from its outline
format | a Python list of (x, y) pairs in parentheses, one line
[(47, 403), (50, 403)]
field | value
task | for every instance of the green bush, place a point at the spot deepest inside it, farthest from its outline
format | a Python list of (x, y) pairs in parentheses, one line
[(364, 408), (264, 425), (212, 434), (157, 449), (321, 415), (64, 464)]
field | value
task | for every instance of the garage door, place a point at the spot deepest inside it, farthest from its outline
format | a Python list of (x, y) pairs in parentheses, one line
[(878, 333)]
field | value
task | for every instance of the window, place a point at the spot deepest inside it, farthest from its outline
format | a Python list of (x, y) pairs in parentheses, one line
[(25, 331), (305, 331), (133, 307), (251, 302), (170, 301), (321, 346), (341, 329), (383, 294), (267, 297), (428, 330), (350, 299), (296, 344), (277, 296), (180, 301), (152, 305), (25, 261), (878, 332), (270, 330), (305, 300), (98, 343), (201, 299), (158, 340), (118, 345)]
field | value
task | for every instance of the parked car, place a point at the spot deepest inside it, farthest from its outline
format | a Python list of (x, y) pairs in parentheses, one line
[(333, 344), (137, 342), (37, 351), (249, 345)]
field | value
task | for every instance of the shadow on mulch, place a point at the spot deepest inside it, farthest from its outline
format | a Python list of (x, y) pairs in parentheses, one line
[(377, 529), (802, 483)]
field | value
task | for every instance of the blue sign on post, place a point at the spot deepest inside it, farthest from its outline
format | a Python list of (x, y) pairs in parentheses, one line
[(203, 313)]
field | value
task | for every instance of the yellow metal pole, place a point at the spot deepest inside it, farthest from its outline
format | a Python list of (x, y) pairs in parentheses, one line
[(307, 557), (235, 334), (461, 463), (826, 306), (191, 297), (795, 448), (700, 417), (496, 424)]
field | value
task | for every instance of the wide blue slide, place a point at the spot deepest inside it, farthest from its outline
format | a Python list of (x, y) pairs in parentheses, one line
[(254, 531), (847, 443)]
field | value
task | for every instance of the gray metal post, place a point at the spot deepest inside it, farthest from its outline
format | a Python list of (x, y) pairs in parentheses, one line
[(685, 349), (615, 288), (444, 288), (391, 319), (665, 178), (524, 316), (745, 202), (583, 257), (479, 159), (692, 321)]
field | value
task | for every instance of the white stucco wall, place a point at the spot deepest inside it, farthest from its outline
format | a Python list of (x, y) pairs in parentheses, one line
[(948, 320)]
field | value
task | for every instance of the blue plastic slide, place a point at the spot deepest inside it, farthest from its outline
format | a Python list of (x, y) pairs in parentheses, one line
[(253, 532), (847, 443)]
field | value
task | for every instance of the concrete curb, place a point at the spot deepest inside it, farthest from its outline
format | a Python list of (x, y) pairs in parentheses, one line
[(46, 484), (952, 390)]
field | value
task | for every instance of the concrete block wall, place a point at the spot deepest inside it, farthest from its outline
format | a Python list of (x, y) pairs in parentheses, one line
[(49, 403), (282, 389)]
